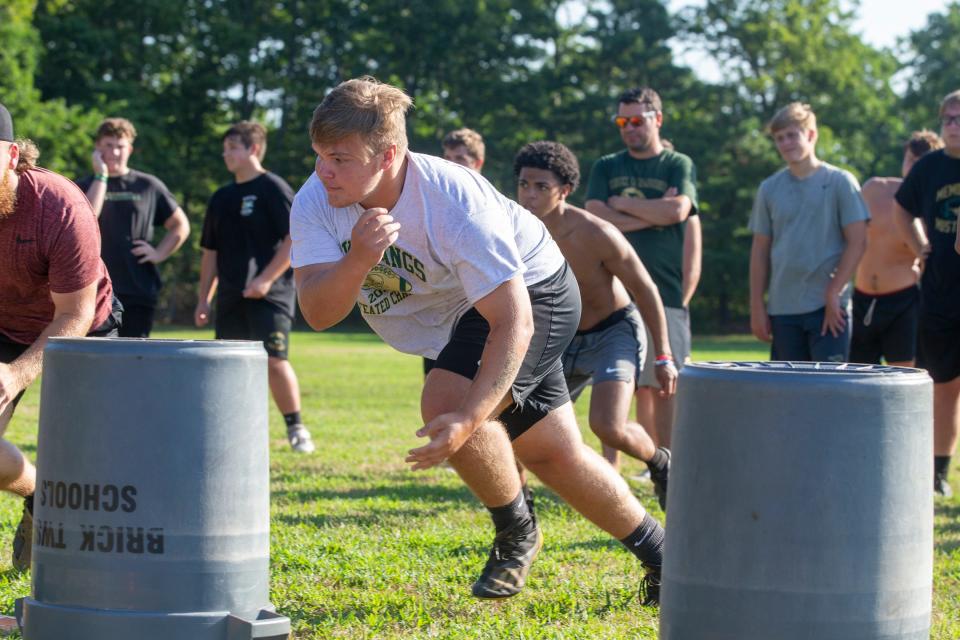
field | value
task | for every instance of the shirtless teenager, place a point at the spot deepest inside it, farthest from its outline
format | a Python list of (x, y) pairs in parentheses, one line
[(610, 342), (887, 295)]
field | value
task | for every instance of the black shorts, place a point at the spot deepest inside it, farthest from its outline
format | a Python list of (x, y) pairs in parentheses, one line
[(539, 386), (885, 326), (255, 319), (137, 319), (938, 348)]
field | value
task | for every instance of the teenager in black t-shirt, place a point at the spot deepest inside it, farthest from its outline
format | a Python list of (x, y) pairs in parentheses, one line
[(246, 260), (931, 191), (129, 205)]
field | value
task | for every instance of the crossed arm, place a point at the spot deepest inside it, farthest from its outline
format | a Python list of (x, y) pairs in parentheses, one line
[(628, 213)]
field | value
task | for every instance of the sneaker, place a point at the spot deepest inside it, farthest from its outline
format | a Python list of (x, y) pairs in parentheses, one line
[(513, 552), (941, 487), (23, 540), (299, 438), (659, 479), (649, 592)]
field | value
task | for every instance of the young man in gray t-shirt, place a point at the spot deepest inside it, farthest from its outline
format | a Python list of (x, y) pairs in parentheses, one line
[(443, 266), (809, 228)]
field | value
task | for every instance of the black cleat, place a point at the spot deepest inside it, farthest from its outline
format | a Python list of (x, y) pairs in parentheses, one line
[(941, 487), (659, 478), (649, 593), (513, 552), (23, 540)]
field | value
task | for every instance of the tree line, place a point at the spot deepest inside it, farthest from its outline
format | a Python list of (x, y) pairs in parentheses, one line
[(515, 70)]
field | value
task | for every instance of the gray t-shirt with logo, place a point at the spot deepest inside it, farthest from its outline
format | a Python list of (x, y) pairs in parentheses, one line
[(805, 218), (459, 240)]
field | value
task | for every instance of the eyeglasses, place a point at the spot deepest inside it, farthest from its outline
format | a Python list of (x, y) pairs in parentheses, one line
[(946, 121), (623, 121)]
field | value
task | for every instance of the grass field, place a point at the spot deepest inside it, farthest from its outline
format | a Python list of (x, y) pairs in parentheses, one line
[(363, 548)]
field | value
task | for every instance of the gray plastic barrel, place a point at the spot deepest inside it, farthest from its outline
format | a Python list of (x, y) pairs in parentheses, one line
[(801, 504), (152, 508)]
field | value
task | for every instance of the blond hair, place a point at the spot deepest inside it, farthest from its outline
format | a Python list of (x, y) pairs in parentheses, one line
[(794, 114), (467, 138), (373, 110), (29, 153), (116, 128), (951, 98)]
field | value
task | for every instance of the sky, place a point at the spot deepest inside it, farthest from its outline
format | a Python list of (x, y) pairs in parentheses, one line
[(880, 21)]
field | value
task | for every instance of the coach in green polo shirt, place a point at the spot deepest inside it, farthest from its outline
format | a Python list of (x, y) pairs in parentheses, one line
[(648, 192)]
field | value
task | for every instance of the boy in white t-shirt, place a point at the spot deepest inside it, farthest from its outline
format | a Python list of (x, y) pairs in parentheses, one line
[(444, 266)]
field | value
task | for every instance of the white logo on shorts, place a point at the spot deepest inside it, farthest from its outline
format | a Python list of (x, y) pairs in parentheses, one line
[(614, 370)]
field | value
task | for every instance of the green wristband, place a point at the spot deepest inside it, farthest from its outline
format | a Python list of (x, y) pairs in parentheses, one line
[(102, 177)]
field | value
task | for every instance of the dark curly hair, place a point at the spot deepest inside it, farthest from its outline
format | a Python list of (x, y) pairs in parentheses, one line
[(551, 156)]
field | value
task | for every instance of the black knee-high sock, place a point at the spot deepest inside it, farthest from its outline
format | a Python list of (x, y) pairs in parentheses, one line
[(513, 513), (646, 542), (658, 460), (941, 466)]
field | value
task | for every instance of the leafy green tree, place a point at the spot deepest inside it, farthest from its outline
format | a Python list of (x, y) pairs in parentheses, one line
[(771, 53), (933, 52), (52, 124)]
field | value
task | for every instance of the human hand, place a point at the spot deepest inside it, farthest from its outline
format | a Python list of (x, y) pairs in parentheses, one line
[(373, 233), (146, 252), (9, 386), (447, 432), (672, 192), (760, 325), (201, 315), (258, 288), (834, 317), (666, 375), (99, 164)]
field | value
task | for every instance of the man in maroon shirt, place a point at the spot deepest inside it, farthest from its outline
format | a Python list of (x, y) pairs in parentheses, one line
[(52, 283)]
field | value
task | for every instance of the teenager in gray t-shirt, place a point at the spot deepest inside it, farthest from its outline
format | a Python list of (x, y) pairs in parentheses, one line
[(809, 232), (444, 266)]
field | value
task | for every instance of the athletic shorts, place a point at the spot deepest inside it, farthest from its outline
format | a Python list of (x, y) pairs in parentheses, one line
[(137, 320), (938, 348), (255, 319), (678, 332), (612, 349), (885, 326), (539, 387)]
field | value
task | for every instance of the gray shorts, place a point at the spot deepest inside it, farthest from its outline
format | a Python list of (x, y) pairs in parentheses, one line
[(612, 350), (678, 332)]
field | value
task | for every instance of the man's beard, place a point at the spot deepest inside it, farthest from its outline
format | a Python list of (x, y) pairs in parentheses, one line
[(8, 195), (642, 146)]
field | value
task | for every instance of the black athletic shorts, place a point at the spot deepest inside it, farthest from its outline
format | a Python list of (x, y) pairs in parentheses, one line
[(539, 387), (254, 319), (137, 319), (885, 326), (938, 348)]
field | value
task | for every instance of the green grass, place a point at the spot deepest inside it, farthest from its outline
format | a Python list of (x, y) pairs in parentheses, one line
[(363, 548)]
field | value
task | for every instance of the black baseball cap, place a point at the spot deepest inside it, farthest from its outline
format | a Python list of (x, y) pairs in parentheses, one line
[(6, 125)]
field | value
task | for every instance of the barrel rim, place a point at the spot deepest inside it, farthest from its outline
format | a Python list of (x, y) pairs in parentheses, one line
[(807, 368), (153, 343)]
